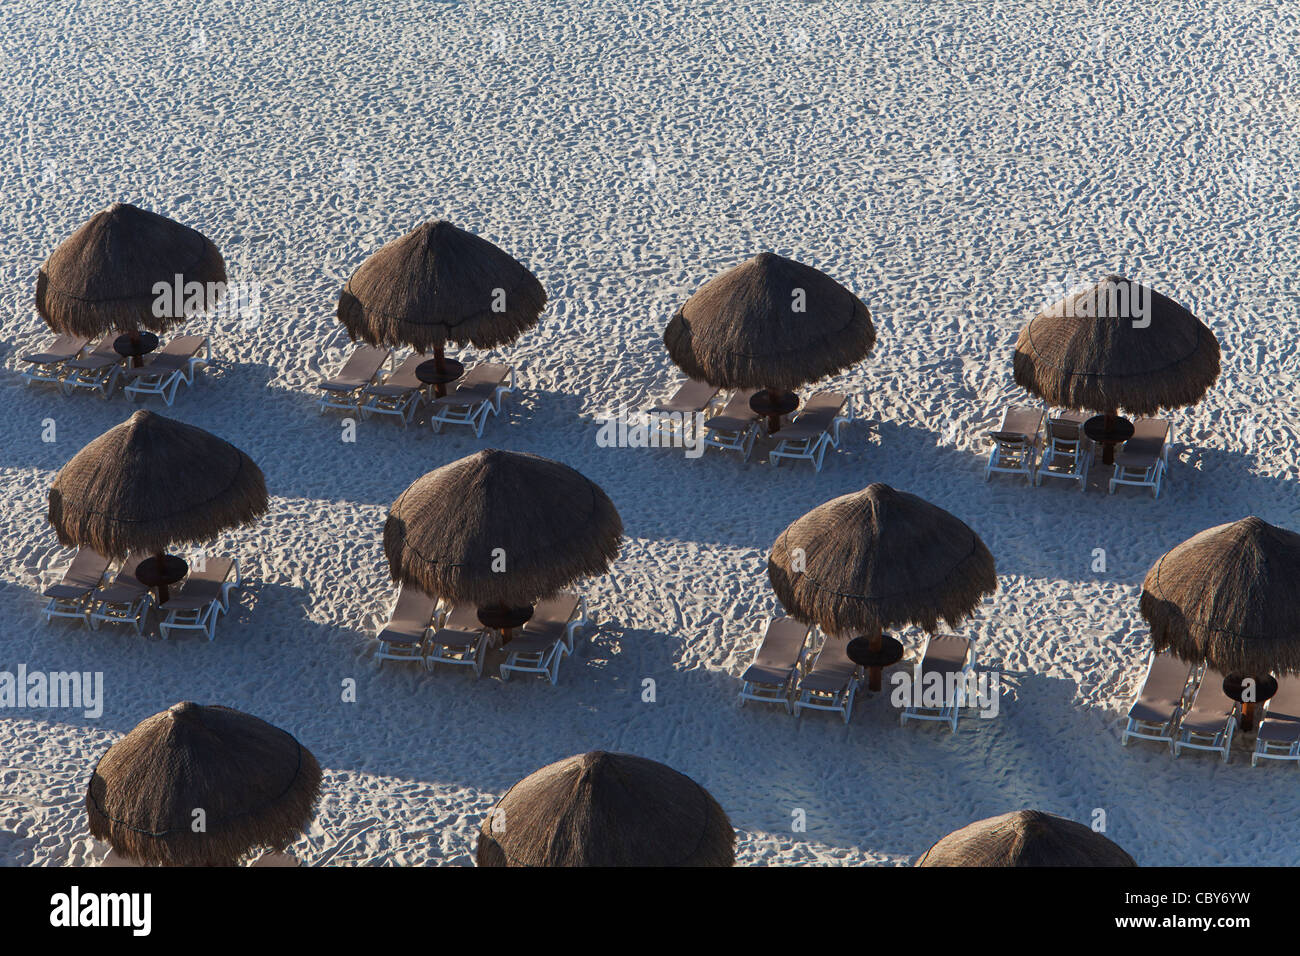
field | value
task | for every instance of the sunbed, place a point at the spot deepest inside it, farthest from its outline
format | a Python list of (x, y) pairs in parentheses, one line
[(736, 427), (692, 398), (47, 365), (1161, 701), (402, 639), (1210, 722), (201, 600), (164, 371), (1279, 733), (473, 398), (99, 370), (539, 645), (816, 428), (1067, 452), (944, 655), (831, 683), (400, 394), (125, 601), (81, 579), (461, 640), (770, 679), (1144, 458), (362, 369), (1015, 443)]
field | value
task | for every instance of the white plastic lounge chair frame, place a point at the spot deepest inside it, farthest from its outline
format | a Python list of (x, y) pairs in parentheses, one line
[(176, 616), (687, 404), (539, 652), (838, 700), (950, 710), (457, 646), (779, 690), (474, 413), (1066, 447), (72, 600), (1218, 740), (813, 448), (401, 400), (166, 381), (408, 650), (1161, 730), (1015, 443), (49, 366), (734, 439), (99, 370), (127, 606), (349, 399), (1278, 737), (1145, 474)]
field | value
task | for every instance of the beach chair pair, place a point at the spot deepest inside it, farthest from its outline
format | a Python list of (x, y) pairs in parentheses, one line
[(1183, 706), (1144, 458), (1036, 446), (65, 362), (788, 671), (421, 630), (943, 655)]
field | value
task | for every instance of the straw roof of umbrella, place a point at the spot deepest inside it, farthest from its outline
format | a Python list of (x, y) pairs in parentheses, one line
[(1229, 596), (152, 482), (440, 284), (741, 328), (1025, 838), (256, 785), (102, 277), (447, 533), (879, 558), (1085, 352), (607, 809)]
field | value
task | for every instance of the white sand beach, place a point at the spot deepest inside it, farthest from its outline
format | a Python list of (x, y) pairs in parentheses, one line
[(957, 165)]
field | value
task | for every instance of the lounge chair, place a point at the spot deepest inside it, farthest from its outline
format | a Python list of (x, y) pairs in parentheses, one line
[(400, 394), (473, 398), (1161, 701), (164, 371), (693, 398), (540, 645), (1279, 733), (461, 639), (944, 654), (99, 370), (362, 369), (47, 365), (1210, 722), (831, 683), (816, 428), (203, 598), (125, 601), (81, 579), (1015, 443), (402, 639), (1067, 452), (736, 427), (1144, 458), (770, 679)]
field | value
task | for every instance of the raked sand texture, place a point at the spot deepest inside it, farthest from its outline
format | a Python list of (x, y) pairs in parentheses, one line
[(956, 164)]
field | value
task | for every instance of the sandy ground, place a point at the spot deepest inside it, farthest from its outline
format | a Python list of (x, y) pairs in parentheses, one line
[(956, 164)]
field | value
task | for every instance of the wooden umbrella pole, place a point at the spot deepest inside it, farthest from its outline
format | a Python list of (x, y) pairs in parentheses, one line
[(137, 360), (440, 363), (877, 644), (774, 421), (163, 593)]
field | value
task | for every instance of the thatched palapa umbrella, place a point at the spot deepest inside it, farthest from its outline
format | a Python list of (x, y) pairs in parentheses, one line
[(202, 786), (769, 323), (151, 483), (501, 530), (1117, 345), (1230, 597), (103, 278), (1026, 838), (607, 809), (877, 559), (439, 284)]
